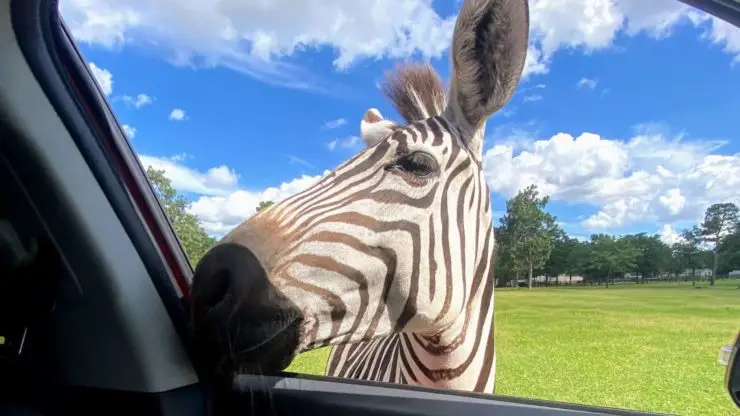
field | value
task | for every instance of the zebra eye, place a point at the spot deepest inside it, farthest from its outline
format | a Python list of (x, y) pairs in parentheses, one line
[(419, 164)]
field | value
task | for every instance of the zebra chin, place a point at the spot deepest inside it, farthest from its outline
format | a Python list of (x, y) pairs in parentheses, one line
[(240, 322)]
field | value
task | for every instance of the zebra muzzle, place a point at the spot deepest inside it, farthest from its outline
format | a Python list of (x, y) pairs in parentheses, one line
[(241, 322)]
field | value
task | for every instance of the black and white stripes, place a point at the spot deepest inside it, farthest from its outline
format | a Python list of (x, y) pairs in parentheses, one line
[(442, 335)]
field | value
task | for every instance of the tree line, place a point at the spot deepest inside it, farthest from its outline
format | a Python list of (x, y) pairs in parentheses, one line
[(530, 243)]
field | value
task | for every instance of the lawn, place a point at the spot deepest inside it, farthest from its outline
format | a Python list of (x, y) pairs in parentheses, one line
[(651, 347)]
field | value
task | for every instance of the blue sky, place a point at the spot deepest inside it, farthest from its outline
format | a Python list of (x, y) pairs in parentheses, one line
[(625, 116)]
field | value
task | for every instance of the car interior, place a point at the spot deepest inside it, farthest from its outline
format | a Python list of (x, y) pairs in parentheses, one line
[(94, 284)]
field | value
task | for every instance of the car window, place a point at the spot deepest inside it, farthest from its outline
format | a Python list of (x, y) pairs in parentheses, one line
[(549, 211)]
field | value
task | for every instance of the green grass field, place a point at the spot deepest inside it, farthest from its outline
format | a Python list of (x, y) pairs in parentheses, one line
[(651, 347)]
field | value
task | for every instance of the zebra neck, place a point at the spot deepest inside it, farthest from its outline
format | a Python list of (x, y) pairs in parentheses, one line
[(461, 361)]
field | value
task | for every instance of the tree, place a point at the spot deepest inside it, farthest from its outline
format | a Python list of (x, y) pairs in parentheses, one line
[(719, 221), (627, 256), (677, 264), (557, 261), (687, 251), (503, 269), (264, 204), (529, 231), (729, 252), (194, 240), (578, 258), (654, 256), (611, 256)]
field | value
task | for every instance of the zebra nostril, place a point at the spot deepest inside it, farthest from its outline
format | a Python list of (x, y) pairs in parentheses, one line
[(227, 271), (215, 290)]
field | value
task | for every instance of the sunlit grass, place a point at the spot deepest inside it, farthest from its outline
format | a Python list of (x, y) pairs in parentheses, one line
[(649, 347)]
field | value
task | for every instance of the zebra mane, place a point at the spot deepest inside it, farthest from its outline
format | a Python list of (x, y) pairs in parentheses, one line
[(415, 90)]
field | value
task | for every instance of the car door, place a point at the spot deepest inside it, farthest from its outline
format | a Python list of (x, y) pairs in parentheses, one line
[(56, 64)]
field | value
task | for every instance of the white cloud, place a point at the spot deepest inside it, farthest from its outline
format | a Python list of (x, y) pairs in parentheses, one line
[(587, 83), (219, 214), (651, 177), (103, 77), (523, 88), (532, 98), (253, 37), (672, 201), (298, 160), (333, 124), (507, 111), (139, 101), (517, 135), (219, 180), (669, 235), (129, 130), (724, 34), (177, 114), (222, 203), (180, 157), (350, 142), (592, 25), (535, 63)]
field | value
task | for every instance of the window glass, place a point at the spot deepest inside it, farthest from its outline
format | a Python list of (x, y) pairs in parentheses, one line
[(600, 197)]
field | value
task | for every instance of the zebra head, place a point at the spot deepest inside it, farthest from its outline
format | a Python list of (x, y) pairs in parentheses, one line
[(396, 239)]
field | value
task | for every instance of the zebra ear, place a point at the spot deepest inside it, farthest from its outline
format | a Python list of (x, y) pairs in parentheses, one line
[(374, 128), (489, 46)]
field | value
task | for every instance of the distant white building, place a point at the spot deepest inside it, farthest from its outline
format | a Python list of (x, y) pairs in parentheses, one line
[(563, 279), (697, 273), (734, 273)]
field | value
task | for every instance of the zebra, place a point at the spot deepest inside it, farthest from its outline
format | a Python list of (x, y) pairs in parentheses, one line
[(388, 258)]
